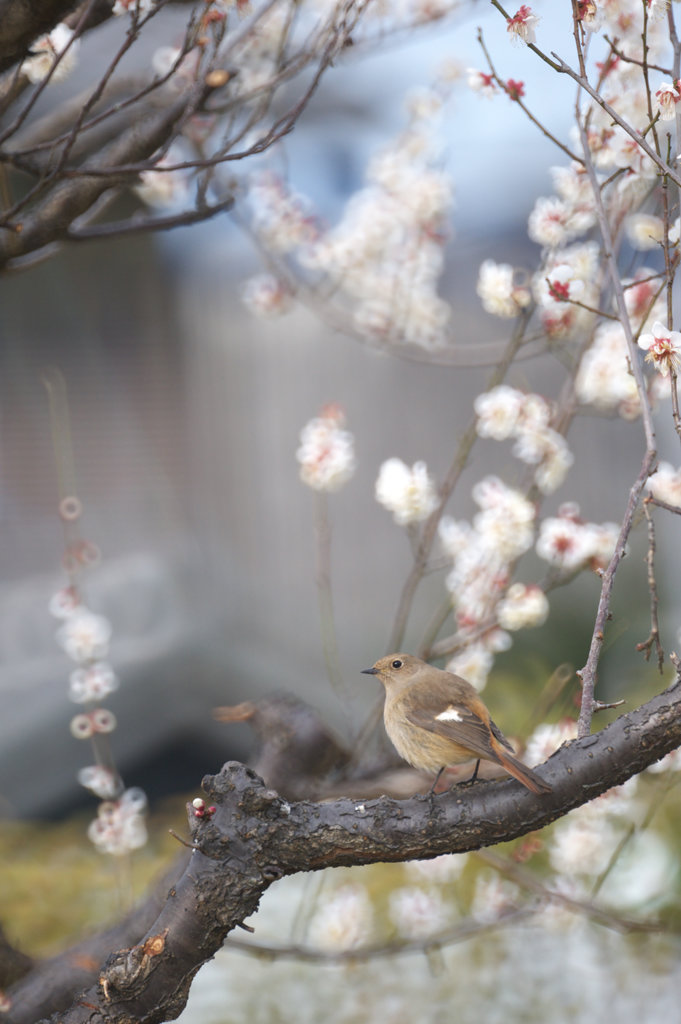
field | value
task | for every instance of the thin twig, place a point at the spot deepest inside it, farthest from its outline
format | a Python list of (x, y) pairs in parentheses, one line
[(516, 99), (467, 929), (654, 637), (588, 673)]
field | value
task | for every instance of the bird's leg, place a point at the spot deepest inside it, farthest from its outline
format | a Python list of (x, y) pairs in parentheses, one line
[(475, 771), (431, 791)]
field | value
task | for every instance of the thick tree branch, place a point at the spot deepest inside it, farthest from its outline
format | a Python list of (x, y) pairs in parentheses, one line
[(255, 837), (50, 220), (22, 21)]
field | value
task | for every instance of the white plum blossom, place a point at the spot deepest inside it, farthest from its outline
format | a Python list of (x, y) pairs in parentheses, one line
[(101, 781), (505, 412), (384, 257), (92, 683), (454, 535), (665, 484), (85, 636), (64, 602), (553, 222), (90, 723), (481, 82), (282, 218), (119, 826), (409, 493), (342, 921), (572, 184), (161, 189), (547, 738), (498, 412), (604, 378), (644, 231), (327, 451), (569, 543), (482, 554), (642, 295), (493, 897), (505, 523), (548, 222), (140, 7), (666, 98), (657, 9), (582, 846), (568, 276), (500, 295), (267, 296), (522, 607), (522, 25), (473, 663), (591, 15), (416, 912), (50, 52), (555, 462), (662, 348), (558, 285)]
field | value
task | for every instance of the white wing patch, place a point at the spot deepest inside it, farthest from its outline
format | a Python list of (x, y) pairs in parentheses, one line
[(450, 714)]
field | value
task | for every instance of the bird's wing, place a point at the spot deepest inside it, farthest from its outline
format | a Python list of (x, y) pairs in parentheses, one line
[(453, 721)]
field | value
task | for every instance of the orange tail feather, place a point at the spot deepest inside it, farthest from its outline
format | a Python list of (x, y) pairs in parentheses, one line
[(520, 771)]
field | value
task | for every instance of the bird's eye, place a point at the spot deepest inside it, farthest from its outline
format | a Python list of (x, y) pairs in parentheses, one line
[(396, 663)]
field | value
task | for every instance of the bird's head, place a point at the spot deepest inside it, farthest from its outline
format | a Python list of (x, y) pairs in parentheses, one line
[(396, 669)]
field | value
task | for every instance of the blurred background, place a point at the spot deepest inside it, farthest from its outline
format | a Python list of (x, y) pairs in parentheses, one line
[(185, 413)]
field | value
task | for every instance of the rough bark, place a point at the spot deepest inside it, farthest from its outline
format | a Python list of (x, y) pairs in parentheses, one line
[(22, 21), (51, 218), (255, 837)]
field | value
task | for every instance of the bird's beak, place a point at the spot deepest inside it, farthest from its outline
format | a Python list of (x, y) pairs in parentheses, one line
[(369, 671)]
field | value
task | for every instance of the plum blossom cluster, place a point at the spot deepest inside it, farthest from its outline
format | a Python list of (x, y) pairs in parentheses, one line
[(267, 296), (344, 920), (524, 605), (385, 255), (327, 451), (569, 543), (119, 826), (604, 378), (547, 738), (567, 288), (582, 844), (84, 637), (416, 912), (504, 412), (568, 285), (408, 492), (501, 294), (665, 484), (483, 554)]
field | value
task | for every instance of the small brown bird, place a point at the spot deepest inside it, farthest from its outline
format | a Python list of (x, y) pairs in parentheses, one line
[(436, 718)]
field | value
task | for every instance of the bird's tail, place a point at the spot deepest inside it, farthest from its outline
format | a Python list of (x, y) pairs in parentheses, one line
[(520, 771)]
